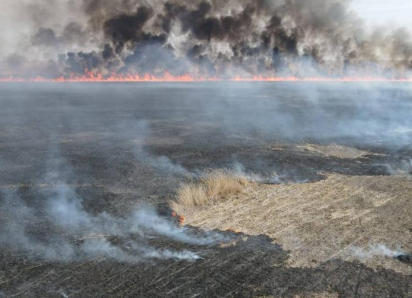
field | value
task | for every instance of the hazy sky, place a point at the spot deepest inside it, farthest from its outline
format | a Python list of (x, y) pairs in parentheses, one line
[(381, 12)]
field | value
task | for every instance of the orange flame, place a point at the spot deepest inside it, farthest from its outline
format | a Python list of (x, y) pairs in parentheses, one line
[(181, 219), (187, 78), (97, 77), (320, 79)]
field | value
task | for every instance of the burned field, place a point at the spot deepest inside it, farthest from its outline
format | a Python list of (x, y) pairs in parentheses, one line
[(88, 172)]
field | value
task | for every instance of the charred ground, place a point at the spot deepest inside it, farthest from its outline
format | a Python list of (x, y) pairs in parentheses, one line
[(125, 144)]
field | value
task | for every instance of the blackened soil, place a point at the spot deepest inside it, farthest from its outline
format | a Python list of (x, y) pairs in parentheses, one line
[(120, 145), (249, 267)]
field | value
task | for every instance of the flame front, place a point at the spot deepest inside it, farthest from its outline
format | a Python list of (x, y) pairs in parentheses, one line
[(89, 77)]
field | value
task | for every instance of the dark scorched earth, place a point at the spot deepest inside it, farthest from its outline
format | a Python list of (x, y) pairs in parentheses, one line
[(122, 145)]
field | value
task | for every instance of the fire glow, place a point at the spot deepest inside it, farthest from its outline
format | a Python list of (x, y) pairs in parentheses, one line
[(90, 77)]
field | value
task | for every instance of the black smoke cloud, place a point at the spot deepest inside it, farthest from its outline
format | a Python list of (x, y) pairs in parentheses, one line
[(267, 37)]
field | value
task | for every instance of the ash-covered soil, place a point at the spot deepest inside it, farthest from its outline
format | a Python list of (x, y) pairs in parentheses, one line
[(250, 267), (76, 159)]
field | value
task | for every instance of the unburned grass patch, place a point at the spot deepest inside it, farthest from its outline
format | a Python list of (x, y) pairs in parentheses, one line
[(213, 187), (335, 150)]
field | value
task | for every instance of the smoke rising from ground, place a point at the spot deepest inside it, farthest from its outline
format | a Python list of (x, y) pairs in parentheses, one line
[(267, 37), (85, 236), (76, 235), (139, 141), (375, 251)]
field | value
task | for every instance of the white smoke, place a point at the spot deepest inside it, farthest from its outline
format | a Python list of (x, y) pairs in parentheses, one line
[(239, 169), (374, 251), (87, 236), (146, 218), (142, 132), (403, 168), (273, 178)]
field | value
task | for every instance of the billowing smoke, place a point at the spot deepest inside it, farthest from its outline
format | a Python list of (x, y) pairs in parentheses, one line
[(209, 37)]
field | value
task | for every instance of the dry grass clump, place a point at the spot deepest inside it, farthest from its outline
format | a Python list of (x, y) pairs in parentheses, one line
[(213, 187)]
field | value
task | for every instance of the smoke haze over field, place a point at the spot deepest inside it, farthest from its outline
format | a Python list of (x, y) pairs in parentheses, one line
[(80, 163), (76, 235), (202, 37), (89, 172)]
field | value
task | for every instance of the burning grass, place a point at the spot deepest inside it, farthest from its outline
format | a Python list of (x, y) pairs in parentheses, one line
[(214, 187)]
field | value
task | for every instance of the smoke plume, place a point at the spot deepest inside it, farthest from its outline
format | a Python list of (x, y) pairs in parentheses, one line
[(74, 234), (375, 251), (205, 37)]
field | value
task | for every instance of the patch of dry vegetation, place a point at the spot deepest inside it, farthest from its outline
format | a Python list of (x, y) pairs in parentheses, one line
[(323, 220), (336, 150), (214, 187)]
